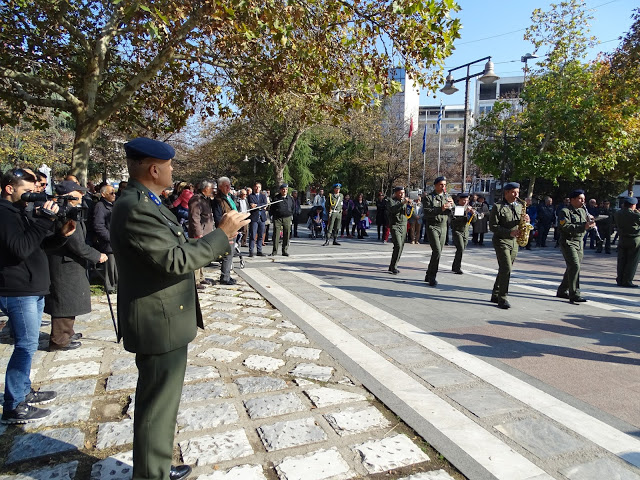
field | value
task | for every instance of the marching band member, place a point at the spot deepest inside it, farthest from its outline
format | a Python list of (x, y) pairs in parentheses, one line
[(396, 209)]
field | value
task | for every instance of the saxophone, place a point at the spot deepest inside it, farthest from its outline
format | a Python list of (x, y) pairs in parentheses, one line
[(524, 227)]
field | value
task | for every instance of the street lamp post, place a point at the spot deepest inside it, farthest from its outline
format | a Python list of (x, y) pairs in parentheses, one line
[(524, 59), (486, 76)]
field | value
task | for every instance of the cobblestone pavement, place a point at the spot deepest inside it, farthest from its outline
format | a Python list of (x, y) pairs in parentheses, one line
[(260, 401)]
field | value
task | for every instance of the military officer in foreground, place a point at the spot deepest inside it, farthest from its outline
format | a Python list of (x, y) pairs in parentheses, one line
[(158, 309), (334, 205), (573, 222), (628, 223), (396, 210), (504, 220), (437, 209), (460, 229)]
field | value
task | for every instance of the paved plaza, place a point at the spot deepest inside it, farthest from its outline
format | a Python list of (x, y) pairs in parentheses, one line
[(321, 365)]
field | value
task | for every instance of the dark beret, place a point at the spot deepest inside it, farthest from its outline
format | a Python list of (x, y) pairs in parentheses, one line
[(68, 186), (284, 185), (337, 185), (440, 179), (398, 188), (143, 147), (576, 193), (511, 186), (463, 195), (631, 200)]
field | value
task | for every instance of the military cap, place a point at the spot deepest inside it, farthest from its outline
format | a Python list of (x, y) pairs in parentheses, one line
[(337, 185), (284, 185), (576, 193), (67, 186), (143, 147), (463, 195), (631, 200), (440, 179), (511, 186)]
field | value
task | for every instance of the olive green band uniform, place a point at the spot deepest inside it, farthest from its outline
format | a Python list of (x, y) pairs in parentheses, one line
[(460, 230), (396, 210), (628, 223), (437, 229), (504, 219), (571, 222)]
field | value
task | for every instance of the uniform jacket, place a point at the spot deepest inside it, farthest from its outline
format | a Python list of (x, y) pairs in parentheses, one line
[(334, 204), (200, 216), (259, 199), (101, 222), (628, 223), (396, 210), (432, 208), (504, 219), (460, 224), (24, 268), (158, 309), (572, 223), (69, 294), (282, 209)]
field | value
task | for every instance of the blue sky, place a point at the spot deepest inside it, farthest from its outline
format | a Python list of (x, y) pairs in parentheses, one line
[(496, 28)]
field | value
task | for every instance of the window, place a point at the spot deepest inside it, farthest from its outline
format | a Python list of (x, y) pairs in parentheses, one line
[(488, 91), (510, 90)]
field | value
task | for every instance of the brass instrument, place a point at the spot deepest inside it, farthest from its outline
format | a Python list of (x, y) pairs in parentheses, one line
[(524, 227)]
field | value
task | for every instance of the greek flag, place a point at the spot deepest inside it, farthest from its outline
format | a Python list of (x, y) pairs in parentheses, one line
[(439, 121)]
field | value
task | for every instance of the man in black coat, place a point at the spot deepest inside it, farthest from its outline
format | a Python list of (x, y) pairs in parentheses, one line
[(257, 217), (282, 210), (101, 231), (70, 295), (546, 217), (24, 281)]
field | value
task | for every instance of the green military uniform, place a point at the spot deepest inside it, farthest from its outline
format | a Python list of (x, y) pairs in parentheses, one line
[(605, 228), (437, 230), (504, 219), (158, 314), (460, 229), (571, 222), (628, 223), (334, 204), (396, 213)]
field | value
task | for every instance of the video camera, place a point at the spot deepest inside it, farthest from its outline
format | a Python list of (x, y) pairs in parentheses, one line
[(65, 213)]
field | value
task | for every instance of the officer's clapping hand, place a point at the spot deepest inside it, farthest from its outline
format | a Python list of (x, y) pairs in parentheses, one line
[(233, 221)]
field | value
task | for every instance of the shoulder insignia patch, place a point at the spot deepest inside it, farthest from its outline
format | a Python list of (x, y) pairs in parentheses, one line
[(562, 222)]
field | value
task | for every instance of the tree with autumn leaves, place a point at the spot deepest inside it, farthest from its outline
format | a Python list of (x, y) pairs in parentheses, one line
[(147, 67)]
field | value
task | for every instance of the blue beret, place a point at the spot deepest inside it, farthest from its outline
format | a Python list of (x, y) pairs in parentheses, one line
[(337, 185), (440, 179), (631, 200), (284, 185), (143, 147), (511, 186), (576, 193), (398, 188)]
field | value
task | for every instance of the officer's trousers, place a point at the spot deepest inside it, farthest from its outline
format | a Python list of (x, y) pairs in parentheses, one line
[(437, 237), (572, 251), (398, 236), (335, 219), (160, 379), (460, 239), (281, 225), (506, 253)]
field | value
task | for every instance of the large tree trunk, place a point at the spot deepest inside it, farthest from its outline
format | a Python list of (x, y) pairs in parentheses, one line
[(278, 169), (632, 182), (532, 184), (82, 143)]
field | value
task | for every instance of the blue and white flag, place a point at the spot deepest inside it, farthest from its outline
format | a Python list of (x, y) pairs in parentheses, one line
[(439, 121), (424, 139)]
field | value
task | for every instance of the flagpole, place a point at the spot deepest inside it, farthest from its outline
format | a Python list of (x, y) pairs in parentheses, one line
[(409, 175), (439, 136), (424, 151)]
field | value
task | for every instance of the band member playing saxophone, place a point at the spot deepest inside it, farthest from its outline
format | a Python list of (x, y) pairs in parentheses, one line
[(437, 209), (504, 221), (573, 220)]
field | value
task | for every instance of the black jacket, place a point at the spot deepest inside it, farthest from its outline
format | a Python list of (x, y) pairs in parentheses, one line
[(284, 208), (24, 269), (101, 225)]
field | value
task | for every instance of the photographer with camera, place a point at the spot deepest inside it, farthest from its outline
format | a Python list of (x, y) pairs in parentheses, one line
[(70, 295), (24, 282)]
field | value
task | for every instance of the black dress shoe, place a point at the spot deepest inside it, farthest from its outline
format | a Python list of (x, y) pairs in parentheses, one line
[(285, 254), (335, 242), (494, 299), (179, 472), (394, 271), (251, 254), (260, 254), (458, 272), (272, 254), (505, 305), (69, 346), (577, 299), (433, 282), (231, 281), (200, 286), (562, 295), (76, 336)]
